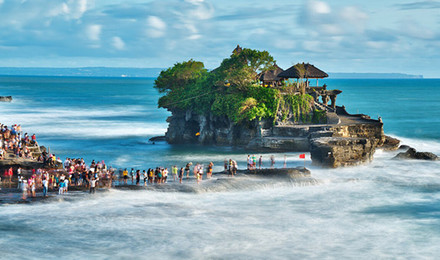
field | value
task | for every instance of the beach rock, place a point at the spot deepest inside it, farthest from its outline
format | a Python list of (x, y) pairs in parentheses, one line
[(404, 147), (20, 162), (413, 154), (5, 98), (340, 151), (278, 172), (157, 139), (390, 143)]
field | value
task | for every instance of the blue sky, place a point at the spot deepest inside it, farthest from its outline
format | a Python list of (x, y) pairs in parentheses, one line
[(337, 36)]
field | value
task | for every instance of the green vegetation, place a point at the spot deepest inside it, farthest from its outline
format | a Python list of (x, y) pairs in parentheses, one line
[(319, 117), (231, 90)]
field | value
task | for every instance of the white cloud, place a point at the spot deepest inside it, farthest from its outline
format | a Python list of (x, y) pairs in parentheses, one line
[(319, 7), (194, 2), (156, 27), (76, 8), (93, 32), (118, 43), (194, 37)]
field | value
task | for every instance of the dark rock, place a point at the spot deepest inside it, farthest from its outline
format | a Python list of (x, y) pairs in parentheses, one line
[(157, 139), (5, 98), (413, 154), (404, 147), (279, 173), (339, 151), (390, 143)]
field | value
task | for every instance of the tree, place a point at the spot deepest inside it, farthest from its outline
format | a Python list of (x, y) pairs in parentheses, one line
[(242, 68), (180, 75)]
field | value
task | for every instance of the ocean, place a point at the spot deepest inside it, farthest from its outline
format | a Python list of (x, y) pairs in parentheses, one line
[(384, 209)]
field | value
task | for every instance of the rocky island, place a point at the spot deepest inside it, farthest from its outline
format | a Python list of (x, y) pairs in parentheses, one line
[(251, 102)]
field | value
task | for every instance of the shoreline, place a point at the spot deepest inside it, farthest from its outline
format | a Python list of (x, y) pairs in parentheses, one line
[(10, 196)]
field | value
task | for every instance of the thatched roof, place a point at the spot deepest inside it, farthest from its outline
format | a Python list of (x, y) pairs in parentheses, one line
[(302, 71), (271, 75)]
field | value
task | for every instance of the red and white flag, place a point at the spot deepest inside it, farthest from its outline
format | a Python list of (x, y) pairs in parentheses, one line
[(302, 156)]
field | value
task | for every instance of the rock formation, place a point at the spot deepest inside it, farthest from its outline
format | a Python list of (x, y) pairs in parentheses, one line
[(345, 140), (5, 98), (411, 153)]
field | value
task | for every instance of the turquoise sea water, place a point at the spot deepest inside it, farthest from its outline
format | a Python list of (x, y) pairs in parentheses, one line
[(385, 209)]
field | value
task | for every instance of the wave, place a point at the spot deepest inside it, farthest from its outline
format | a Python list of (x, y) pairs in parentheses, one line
[(85, 123)]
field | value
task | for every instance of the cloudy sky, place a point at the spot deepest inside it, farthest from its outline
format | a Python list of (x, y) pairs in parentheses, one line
[(337, 36)]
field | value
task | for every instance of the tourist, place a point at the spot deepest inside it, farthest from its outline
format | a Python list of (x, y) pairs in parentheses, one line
[(181, 172), (260, 162), (165, 175), (188, 165), (45, 186), (93, 185), (234, 167), (285, 161), (66, 184), (159, 175), (174, 172), (272, 161), (254, 162), (145, 175), (209, 173), (138, 176), (61, 187), (32, 185), (248, 160), (132, 175), (125, 175), (24, 187), (199, 173), (150, 176), (196, 170), (226, 165)]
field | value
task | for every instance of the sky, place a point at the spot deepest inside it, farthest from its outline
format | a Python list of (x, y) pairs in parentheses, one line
[(378, 36)]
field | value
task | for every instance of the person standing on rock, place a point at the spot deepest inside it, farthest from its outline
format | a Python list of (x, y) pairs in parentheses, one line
[(150, 176), (260, 162), (226, 165), (209, 172), (24, 187), (181, 172), (285, 161), (138, 176), (125, 175), (45, 186), (145, 175), (188, 165), (132, 175), (272, 161), (93, 184), (174, 172)]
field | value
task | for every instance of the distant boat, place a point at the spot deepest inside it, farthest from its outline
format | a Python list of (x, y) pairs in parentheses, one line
[(124, 76)]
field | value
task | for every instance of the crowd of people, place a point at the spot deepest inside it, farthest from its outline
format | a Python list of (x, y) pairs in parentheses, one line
[(13, 141), (159, 175), (252, 162), (57, 176)]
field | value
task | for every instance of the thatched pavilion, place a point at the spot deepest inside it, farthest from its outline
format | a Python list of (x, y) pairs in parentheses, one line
[(304, 71), (270, 77)]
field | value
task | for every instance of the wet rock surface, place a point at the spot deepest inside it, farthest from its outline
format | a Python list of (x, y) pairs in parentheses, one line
[(5, 98), (339, 151), (412, 153)]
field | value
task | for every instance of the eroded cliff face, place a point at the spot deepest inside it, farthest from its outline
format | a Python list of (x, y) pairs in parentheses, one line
[(187, 127), (330, 145)]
